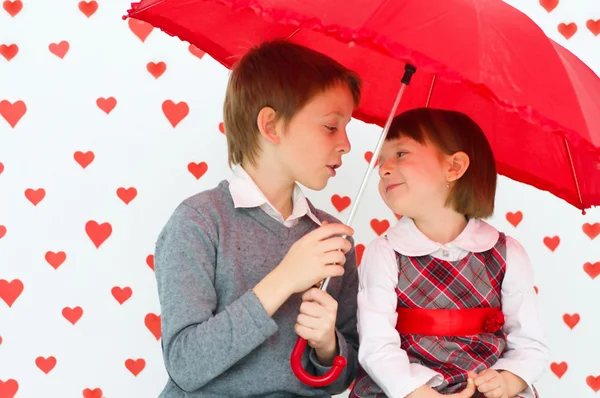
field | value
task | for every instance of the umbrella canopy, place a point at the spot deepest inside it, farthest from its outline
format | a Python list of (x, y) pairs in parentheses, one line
[(538, 104)]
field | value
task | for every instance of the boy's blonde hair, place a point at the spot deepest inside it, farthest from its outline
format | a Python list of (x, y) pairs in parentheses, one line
[(283, 76), (474, 193)]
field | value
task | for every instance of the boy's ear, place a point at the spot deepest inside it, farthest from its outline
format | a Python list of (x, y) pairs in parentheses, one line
[(458, 163), (267, 124)]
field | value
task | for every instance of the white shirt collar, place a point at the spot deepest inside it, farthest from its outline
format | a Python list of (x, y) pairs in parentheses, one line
[(246, 194), (405, 238)]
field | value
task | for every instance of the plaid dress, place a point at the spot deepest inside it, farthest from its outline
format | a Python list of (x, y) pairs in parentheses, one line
[(427, 282)]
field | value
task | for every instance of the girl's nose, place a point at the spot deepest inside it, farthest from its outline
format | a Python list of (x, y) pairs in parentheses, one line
[(384, 169)]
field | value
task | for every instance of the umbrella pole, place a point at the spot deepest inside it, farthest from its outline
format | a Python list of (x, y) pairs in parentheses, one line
[(339, 362), (409, 70)]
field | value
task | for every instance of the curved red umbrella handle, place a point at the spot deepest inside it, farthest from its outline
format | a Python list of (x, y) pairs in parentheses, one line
[(339, 363)]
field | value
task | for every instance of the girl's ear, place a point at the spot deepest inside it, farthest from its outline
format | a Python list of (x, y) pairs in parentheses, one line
[(458, 163)]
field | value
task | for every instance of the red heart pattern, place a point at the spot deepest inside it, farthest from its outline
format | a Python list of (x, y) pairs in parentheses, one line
[(12, 7), (135, 366), (152, 322), (45, 364), (59, 49), (105, 198), (72, 314)]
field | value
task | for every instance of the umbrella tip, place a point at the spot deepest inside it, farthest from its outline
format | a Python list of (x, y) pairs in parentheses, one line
[(409, 70), (131, 11)]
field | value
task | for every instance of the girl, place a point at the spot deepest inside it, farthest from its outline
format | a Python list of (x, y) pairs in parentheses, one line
[(446, 303)]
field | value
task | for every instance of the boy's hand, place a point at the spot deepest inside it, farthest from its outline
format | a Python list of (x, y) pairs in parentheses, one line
[(315, 257), (491, 384), (316, 324)]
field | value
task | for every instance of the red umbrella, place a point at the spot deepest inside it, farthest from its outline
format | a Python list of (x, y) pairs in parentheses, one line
[(538, 104)]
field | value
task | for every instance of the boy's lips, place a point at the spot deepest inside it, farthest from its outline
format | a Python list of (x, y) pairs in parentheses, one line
[(332, 168)]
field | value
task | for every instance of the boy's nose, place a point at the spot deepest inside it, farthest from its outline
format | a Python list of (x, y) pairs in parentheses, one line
[(344, 145)]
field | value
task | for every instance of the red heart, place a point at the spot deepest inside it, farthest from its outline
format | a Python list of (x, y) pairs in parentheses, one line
[(156, 69), (60, 49), (135, 367), (88, 8), (121, 295), (379, 226), (549, 5), (567, 30), (127, 195), (45, 364), (56, 259), (9, 51), (591, 230), (175, 113), (222, 128), (98, 233), (95, 393), (537, 291), (72, 314), (197, 169), (152, 322), (593, 270), (150, 261), (140, 28), (339, 202), (0, 339), (514, 218), (106, 104), (12, 113), (360, 249), (196, 51), (13, 7), (10, 291), (593, 382), (84, 159), (8, 388), (593, 26), (1, 167), (369, 156), (35, 196), (2, 231), (552, 243), (571, 320), (559, 369)]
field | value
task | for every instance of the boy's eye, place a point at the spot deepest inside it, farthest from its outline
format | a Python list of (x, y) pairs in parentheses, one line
[(400, 154), (330, 128)]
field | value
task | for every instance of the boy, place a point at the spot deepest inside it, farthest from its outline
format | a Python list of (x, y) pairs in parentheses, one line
[(234, 263)]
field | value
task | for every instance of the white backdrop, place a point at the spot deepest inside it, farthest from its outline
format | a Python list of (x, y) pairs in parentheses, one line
[(107, 125)]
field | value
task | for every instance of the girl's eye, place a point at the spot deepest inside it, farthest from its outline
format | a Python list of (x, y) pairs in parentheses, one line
[(400, 154), (332, 129)]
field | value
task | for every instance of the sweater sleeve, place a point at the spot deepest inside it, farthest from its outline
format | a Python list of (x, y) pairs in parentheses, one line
[(199, 345)]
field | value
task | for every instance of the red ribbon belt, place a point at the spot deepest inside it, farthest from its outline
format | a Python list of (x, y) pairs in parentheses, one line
[(442, 322)]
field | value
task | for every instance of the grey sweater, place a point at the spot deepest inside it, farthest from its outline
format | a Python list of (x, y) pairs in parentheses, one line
[(217, 338)]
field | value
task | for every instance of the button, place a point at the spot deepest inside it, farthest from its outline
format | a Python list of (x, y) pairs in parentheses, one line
[(446, 253)]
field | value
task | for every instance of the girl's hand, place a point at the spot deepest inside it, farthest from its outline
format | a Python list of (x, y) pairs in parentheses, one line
[(491, 384), (428, 392)]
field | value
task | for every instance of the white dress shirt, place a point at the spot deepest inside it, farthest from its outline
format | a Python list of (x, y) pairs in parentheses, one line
[(246, 194), (380, 353)]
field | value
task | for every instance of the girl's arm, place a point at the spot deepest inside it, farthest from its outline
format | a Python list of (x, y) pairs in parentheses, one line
[(527, 355), (379, 352)]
